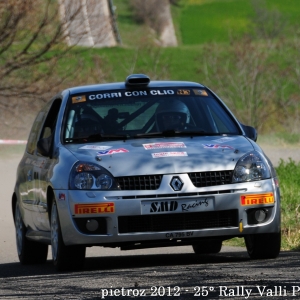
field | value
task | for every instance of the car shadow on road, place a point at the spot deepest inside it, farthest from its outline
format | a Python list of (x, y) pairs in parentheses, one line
[(111, 263), (154, 260), (126, 262)]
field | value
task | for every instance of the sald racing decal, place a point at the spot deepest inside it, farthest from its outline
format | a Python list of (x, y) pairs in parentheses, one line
[(174, 206)]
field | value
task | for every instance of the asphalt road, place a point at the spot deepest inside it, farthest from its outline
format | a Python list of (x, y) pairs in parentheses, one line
[(228, 275), (160, 273)]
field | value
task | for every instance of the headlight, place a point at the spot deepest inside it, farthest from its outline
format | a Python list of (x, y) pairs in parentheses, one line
[(104, 182), (89, 176), (251, 167)]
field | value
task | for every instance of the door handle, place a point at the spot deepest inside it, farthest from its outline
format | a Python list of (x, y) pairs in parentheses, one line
[(29, 177)]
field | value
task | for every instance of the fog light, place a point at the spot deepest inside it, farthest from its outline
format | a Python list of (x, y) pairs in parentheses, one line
[(91, 225), (260, 215)]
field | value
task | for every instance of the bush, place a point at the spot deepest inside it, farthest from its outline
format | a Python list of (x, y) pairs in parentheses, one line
[(289, 180)]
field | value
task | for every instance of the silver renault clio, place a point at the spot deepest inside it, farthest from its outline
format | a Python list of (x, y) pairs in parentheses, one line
[(141, 164)]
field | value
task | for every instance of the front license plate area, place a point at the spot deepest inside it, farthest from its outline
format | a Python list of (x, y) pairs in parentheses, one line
[(177, 206)]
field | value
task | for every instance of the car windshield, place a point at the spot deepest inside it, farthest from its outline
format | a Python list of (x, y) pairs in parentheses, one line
[(123, 114)]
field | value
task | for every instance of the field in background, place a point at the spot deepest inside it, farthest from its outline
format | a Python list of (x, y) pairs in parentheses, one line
[(203, 21), (247, 51), (214, 21), (228, 65)]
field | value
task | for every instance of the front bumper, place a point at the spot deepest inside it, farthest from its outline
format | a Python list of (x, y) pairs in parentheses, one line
[(125, 217)]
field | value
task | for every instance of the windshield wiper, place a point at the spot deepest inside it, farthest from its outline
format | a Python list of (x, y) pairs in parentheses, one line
[(97, 137), (171, 133)]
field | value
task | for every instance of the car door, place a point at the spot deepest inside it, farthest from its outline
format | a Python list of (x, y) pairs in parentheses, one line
[(43, 166), (26, 177)]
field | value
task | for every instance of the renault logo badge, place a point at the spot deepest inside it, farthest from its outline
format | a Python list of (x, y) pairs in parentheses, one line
[(176, 183)]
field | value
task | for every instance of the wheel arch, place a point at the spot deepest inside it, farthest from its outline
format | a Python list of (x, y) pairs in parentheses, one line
[(14, 200), (50, 197)]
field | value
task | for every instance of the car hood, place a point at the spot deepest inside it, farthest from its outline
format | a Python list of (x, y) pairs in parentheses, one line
[(164, 155)]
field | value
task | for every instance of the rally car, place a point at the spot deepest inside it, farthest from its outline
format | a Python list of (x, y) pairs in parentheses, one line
[(139, 164)]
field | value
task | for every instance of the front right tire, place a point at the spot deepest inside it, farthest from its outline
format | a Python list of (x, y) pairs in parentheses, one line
[(64, 257)]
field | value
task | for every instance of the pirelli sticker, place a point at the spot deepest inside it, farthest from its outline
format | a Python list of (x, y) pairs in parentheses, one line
[(95, 208), (255, 199)]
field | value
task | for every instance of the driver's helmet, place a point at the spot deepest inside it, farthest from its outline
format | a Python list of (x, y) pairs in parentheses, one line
[(172, 115)]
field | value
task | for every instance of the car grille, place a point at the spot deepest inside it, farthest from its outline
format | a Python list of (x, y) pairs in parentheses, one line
[(203, 179), (183, 221), (145, 182), (152, 182)]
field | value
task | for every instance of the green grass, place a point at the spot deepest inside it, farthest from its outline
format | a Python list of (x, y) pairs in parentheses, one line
[(290, 9), (288, 173), (179, 63), (204, 21), (214, 21)]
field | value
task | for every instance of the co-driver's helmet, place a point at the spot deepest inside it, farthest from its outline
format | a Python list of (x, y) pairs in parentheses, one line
[(172, 115)]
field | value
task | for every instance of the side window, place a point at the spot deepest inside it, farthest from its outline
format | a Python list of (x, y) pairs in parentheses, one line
[(221, 120), (48, 117), (35, 130), (50, 122)]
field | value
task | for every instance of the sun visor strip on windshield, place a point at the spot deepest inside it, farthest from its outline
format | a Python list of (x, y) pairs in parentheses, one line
[(140, 92)]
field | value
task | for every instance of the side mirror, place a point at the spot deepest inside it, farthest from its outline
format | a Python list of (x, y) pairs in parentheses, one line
[(250, 132), (44, 146)]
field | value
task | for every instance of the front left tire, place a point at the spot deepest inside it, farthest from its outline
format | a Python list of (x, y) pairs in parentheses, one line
[(64, 257), (29, 252), (264, 245)]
